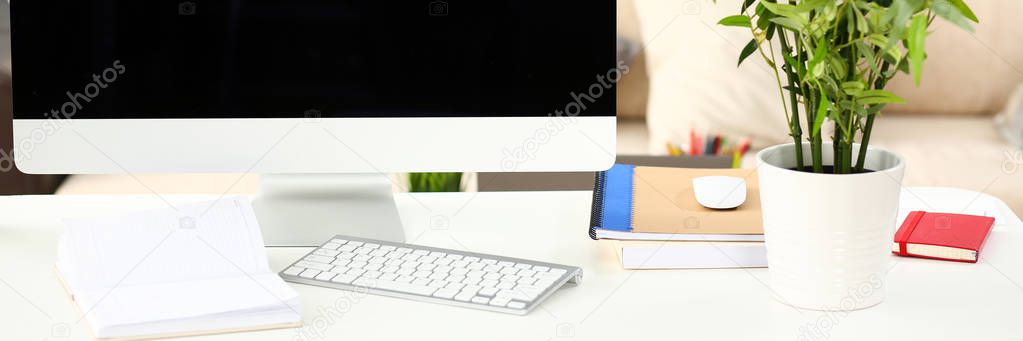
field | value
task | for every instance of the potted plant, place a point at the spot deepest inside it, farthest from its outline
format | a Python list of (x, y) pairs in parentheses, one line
[(435, 182), (829, 208)]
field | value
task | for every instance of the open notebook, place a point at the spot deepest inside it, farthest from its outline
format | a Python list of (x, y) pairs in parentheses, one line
[(189, 270)]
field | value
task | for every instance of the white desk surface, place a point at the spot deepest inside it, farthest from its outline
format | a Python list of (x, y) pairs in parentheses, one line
[(926, 299)]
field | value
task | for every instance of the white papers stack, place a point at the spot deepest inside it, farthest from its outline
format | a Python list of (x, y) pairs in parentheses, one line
[(187, 270)]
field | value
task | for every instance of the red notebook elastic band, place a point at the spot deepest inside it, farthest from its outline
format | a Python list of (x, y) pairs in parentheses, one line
[(910, 225)]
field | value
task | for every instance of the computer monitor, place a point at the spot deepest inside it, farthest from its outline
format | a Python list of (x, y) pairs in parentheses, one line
[(323, 87)]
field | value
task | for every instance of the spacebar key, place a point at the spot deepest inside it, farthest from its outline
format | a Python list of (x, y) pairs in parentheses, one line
[(395, 286)]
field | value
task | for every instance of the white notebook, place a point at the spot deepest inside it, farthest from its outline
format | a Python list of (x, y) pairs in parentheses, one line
[(189, 270), (690, 254)]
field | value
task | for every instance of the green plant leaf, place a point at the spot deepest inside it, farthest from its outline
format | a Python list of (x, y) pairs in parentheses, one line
[(965, 10), (869, 97), (853, 88), (784, 10), (747, 51), (945, 10), (822, 113), (735, 21), (788, 23), (916, 35)]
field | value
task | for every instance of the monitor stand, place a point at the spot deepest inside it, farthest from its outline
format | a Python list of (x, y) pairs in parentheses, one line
[(308, 209)]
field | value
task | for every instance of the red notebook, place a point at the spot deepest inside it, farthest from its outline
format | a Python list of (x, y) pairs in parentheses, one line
[(945, 236)]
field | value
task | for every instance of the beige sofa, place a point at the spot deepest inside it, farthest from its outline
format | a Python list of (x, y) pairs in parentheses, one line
[(945, 131)]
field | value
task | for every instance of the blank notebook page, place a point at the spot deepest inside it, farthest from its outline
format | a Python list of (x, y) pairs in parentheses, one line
[(172, 263)]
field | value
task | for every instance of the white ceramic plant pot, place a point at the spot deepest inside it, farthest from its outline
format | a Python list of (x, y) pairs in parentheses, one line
[(828, 236)]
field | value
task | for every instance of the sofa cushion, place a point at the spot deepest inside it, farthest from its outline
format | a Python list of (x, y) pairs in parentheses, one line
[(694, 82), (964, 152)]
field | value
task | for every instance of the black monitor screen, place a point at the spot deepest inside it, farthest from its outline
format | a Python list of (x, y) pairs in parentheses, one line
[(90, 59)]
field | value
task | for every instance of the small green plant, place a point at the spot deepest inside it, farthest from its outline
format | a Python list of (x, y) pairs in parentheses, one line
[(836, 57), (435, 182)]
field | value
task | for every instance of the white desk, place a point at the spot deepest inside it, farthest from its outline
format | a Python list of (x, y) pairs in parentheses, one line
[(926, 299)]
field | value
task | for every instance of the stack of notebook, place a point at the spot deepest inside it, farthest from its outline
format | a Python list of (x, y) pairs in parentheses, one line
[(652, 217)]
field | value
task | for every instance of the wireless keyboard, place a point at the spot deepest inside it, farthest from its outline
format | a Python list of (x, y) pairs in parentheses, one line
[(430, 274)]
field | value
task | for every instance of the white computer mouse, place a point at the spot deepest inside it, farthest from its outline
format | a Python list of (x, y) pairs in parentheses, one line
[(719, 192)]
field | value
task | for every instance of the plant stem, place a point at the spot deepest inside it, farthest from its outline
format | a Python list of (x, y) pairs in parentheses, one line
[(794, 128), (865, 140)]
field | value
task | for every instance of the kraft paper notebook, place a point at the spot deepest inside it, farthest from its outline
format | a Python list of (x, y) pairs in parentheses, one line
[(658, 203), (190, 270)]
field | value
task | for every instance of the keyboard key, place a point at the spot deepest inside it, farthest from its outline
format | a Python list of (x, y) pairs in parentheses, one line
[(445, 293), (388, 277), (388, 248), (371, 245), (443, 261), (404, 250), (492, 276), (464, 296), (347, 248), (472, 281), (439, 283), (455, 278), (396, 286), (326, 252), (341, 262), (506, 263), (523, 266), (371, 274), (427, 266), (422, 274), (344, 278), (338, 241), (377, 260), (390, 269), (420, 252), (488, 292), (454, 285), (527, 273), (355, 272), (516, 305), (500, 301), (438, 254), (325, 276), (492, 268), (309, 273), (427, 259), (438, 275), (357, 265), (526, 280), (319, 259), (379, 253), (293, 271), (373, 267), (488, 283), (481, 300), (557, 271), (472, 259), (340, 269), (510, 271), (540, 268), (505, 285), (314, 265), (361, 258), (421, 281), (411, 257), (476, 266), (405, 271), (404, 279), (489, 261), (331, 246), (454, 256), (362, 250), (354, 243)]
